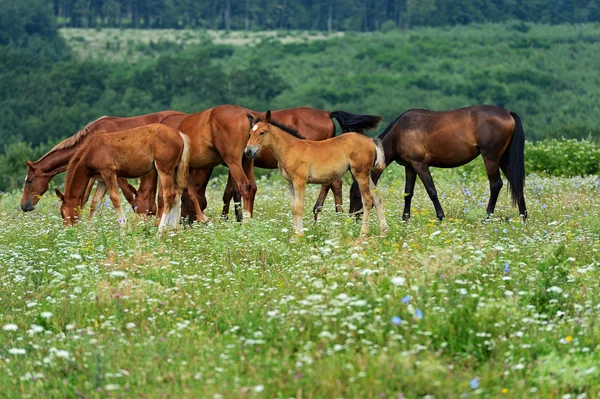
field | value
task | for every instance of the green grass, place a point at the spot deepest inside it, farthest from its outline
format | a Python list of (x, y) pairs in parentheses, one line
[(247, 310)]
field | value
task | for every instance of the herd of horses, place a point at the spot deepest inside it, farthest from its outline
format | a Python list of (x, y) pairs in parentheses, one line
[(174, 154)]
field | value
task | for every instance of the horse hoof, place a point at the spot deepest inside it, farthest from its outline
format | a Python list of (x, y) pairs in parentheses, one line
[(405, 217)]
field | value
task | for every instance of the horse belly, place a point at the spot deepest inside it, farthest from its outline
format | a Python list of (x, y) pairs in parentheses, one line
[(452, 154), (140, 167), (325, 174)]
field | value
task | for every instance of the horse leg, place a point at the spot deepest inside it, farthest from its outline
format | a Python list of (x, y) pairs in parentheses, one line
[(320, 200), (409, 189), (161, 202), (493, 172), (227, 195), (522, 206), (193, 196), (243, 183), (336, 188), (237, 202), (383, 226), (110, 180), (423, 172), (127, 192), (98, 195), (363, 180), (248, 166), (88, 191), (168, 217), (298, 209)]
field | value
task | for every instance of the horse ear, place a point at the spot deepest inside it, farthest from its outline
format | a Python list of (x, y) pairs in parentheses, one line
[(30, 164), (251, 119), (133, 190), (268, 116), (59, 194)]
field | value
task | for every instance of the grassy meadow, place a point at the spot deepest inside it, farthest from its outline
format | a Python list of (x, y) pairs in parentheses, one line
[(461, 308)]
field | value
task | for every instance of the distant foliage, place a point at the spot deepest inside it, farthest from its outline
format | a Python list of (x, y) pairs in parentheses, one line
[(563, 157), (357, 15)]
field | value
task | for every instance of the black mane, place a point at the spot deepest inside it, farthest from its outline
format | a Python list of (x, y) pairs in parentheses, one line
[(287, 129)]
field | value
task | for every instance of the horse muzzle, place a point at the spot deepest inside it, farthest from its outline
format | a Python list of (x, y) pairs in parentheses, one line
[(27, 206), (250, 152)]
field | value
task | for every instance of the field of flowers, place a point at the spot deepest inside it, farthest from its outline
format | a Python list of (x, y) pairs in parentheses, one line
[(462, 308)]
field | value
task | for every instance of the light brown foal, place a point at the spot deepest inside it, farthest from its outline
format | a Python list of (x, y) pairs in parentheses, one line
[(321, 162)]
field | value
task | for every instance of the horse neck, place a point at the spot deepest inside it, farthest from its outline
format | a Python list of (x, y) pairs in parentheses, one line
[(76, 183), (56, 162), (280, 143)]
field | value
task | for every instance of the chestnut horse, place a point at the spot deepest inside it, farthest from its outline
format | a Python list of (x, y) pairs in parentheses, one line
[(40, 173), (313, 124), (420, 138), (131, 153), (305, 161)]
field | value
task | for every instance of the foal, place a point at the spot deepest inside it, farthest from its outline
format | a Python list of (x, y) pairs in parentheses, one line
[(130, 153), (321, 162)]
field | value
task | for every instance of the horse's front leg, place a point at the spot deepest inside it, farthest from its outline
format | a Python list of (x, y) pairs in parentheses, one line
[(100, 191), (411, 178), (298, 209), (423, 172)]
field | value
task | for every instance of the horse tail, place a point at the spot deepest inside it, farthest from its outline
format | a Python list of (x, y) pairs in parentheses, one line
[(355, 123), (514, 157), (183, 166), (379, 161)]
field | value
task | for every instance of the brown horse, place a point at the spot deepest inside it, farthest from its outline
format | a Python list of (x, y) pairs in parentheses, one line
[(40, 173), (314, 125), (420, 138), (131, 153), (304, 161), (218, 136)]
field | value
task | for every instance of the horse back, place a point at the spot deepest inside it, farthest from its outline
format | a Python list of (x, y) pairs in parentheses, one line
[(312, 123)]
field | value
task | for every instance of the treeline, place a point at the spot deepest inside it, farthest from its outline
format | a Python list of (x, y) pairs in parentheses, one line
[(345, 15)]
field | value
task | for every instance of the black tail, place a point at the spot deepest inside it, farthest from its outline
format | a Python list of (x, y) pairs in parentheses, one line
[(513, 156), (355, 123)]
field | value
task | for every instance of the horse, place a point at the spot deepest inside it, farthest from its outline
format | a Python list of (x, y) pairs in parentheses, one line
[(305, 161), (420, 138), (314, 124), (131, 153), (55, 161)]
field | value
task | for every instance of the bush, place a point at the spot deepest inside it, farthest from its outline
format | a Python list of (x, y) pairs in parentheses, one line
[(563, 157), (388, 26)]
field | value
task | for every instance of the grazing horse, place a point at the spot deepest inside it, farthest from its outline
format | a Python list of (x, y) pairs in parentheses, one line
[(40, 173), (131, 153), (420, 138), (304, 161), (313, 124)]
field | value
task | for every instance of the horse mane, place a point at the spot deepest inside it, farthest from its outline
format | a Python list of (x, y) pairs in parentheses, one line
[(74, 139), (288, 129)]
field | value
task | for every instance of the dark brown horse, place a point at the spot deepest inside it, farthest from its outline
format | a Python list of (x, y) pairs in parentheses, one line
[(314, 124), (40, 173), (420, 138)]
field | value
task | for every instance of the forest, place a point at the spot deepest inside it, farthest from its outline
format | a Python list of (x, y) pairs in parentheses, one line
[(48, 91), (355, 15)]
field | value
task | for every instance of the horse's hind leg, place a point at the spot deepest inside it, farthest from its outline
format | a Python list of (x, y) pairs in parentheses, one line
[(336, 188), (320, 200), (168, 217), (409, 189), (522, 206), (364, 180), (98, 195), (423, 173), (493, 171), (383, 226)]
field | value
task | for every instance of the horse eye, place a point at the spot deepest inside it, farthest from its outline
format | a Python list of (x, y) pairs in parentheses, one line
[(263, 132)]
